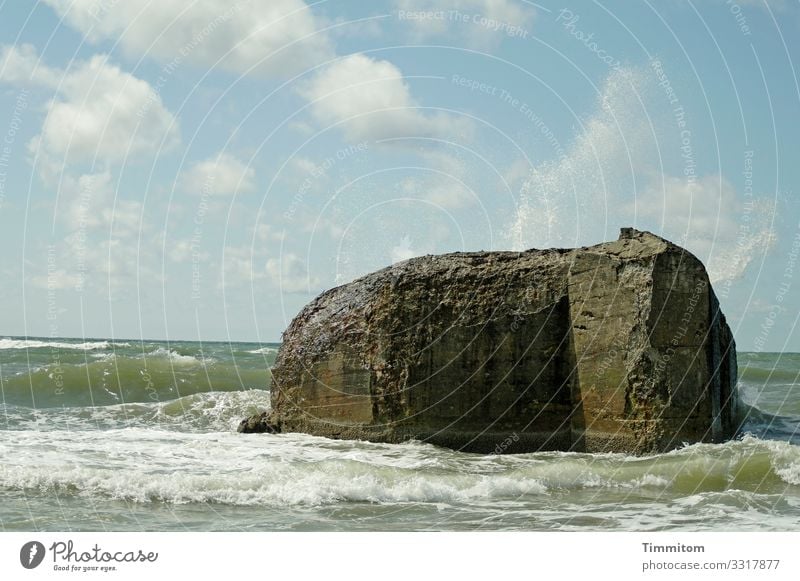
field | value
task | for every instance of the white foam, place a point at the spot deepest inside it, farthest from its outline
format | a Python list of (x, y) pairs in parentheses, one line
[(786, 461), (37, 344), (152, 465), (278, 484), (216, 411), (143, 465), (264, 351), (176, 358), (651, 480), (790, 474)]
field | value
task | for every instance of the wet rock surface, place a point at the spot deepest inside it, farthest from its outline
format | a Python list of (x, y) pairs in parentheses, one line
[(257, 424), (615, 347)]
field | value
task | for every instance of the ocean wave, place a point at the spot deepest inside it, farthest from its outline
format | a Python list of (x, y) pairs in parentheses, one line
[(38, 344), (264, 351), (272, 484), (216, 411), (760, 374), (162, 375), (298, 470), (176, 358)]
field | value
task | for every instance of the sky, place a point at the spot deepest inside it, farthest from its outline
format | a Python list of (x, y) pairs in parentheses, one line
[(200, 170)]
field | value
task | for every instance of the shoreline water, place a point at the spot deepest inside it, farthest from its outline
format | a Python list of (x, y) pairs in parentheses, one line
[(104, 454)]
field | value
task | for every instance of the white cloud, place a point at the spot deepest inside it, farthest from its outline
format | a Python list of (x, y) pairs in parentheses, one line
[(304, 176), (243, 265), (372, 101), (275, 37), (344, 27), (105, 242), (450, 196), (690, 208), (21, 65), (773, 4), (266, 233), (85, 202), (442, 191), (242, 35), (90, 204), (104, 113), (222, 174), (99, 114), (303, 165), (107, 259), (333, 226), (183, 250), (706, 215), (302, 127), (239, 266), (449, 186), (477, 23), (56, 280), (448, 180), (290, 275), (611, 176), (519, 170)]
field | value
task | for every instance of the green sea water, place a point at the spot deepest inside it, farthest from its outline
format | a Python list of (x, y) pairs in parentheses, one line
[(141, 436)]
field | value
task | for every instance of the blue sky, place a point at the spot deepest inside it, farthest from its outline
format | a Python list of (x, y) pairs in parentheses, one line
[(201, 170)]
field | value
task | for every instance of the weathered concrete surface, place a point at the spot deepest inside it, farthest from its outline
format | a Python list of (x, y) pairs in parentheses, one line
[(615, 347)]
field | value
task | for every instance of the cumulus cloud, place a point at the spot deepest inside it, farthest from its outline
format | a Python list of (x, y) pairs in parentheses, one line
[(104, 113), (239, 266), (99, 114), (279, 37), (58, 279), (85, 202), (185, 251), (102, 238), (442, 192), (707, 216), (445, 181), (266, 233), (276, 37), (371, 99), (286, 272), (773, 4), (21, 65), (476, 23), (222, 174), (289, 273), (611, 176)]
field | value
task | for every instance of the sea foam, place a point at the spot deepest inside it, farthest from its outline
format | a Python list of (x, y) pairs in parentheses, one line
[(7, 343)]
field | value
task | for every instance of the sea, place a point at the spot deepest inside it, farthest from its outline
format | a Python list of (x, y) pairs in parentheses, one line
[(131, 435)]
